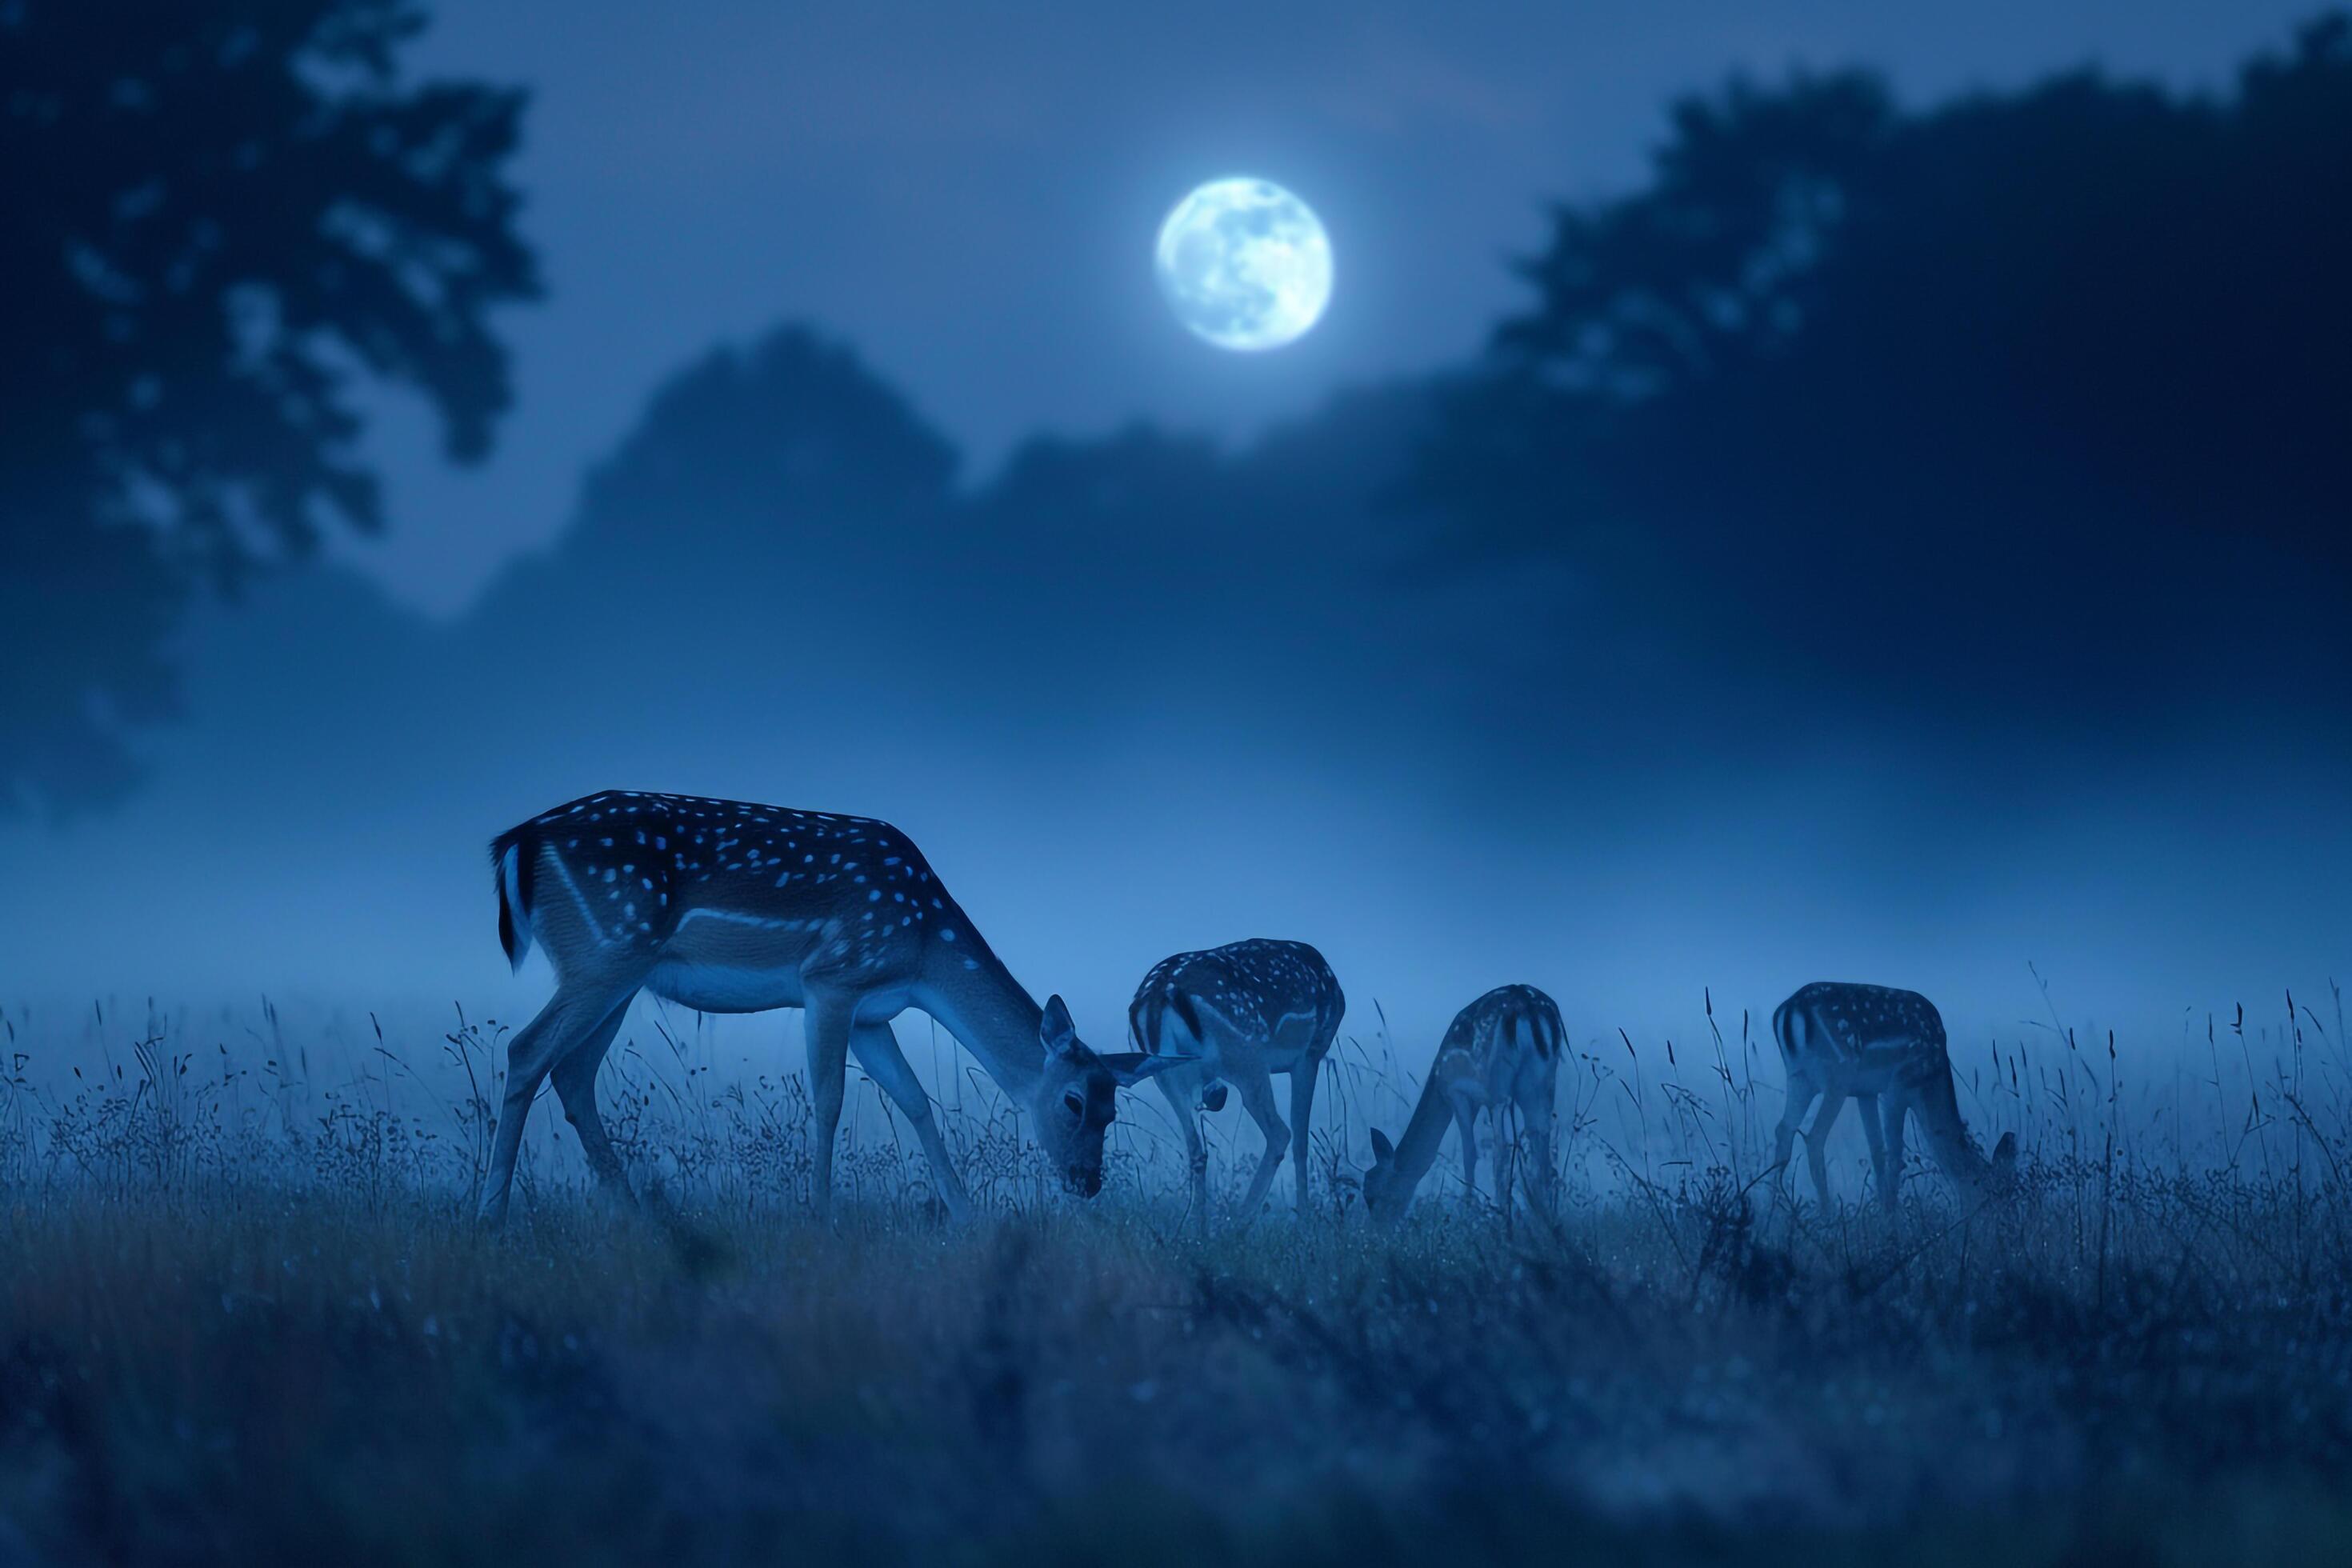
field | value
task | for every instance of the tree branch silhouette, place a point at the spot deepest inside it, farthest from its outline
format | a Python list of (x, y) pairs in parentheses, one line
[(220, 219)]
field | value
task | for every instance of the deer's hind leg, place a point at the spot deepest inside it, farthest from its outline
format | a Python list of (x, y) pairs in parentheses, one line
[(1817, 1143), (574, 1078), (1256, 1089), (1894, 1110), (1874, 1134), (570, 1018), (827, 1022), (1535, 1115), (1186, 1098), (1502, 1154), (1183, 1090), (1802, 1092)]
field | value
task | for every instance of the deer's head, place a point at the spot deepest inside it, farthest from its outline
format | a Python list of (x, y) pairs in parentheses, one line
[(1981, 1177), (1078, 1098), (1386, 1191)]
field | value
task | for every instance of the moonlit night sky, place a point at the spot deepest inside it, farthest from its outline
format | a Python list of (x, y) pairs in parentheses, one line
[(964, 193), (1016, 607)]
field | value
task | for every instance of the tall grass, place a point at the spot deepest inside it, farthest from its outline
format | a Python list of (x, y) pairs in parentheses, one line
[(245, 1315)]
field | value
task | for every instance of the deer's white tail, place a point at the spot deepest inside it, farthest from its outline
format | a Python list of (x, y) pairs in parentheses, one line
[(1539, 1035), (1786, 1021), (514, 900), (1163, 1022)]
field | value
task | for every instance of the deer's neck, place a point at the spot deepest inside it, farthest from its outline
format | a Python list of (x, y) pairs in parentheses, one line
[(1416, 1151), (971, 993), (1947, 1136)]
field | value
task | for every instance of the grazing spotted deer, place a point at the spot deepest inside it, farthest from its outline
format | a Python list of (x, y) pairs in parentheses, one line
[(1884, 1050), (727, 907), (1243, 1013), (1501, 1055)]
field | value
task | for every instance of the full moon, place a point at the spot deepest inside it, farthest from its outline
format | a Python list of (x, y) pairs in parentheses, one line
[(1244, 264)]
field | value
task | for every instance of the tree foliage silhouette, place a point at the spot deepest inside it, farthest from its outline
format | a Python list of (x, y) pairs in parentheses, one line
[(218, 218), (2035, 401)]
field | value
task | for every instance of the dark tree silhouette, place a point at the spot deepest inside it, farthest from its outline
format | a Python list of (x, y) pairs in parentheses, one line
[(2034, 404), (216, 218)]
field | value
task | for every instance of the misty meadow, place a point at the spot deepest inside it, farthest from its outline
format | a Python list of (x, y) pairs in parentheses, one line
[(1581, 529), (254, 1317)]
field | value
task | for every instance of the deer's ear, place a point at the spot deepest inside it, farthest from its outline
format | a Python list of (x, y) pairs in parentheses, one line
[(1382, 1150), (1056, 1030), (1131, 1067)]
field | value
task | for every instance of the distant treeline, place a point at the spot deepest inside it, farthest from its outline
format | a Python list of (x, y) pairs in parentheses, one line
[(2019, 418)]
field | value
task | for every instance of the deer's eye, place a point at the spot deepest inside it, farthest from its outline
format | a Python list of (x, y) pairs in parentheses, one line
[(1076, 1101)]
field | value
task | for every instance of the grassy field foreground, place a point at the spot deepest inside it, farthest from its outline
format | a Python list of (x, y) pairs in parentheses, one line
[(246, 1317), (253, 1373)]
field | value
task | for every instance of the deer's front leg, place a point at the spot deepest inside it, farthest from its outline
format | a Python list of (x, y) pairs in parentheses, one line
[(1302, 1116), (829, 1019), (1465, 1122), (1257, 1097), (878, 1053)]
